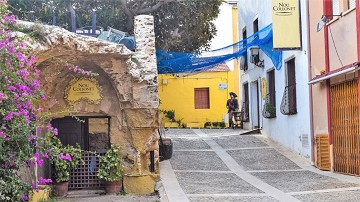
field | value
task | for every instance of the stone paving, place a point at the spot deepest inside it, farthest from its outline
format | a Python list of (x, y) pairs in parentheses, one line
[(221, 165)]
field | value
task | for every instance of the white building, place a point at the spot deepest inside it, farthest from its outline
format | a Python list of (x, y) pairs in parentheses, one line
[(293, 129)]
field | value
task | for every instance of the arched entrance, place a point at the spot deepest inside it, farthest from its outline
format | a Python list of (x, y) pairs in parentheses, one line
[(129, 98), (92, 134)]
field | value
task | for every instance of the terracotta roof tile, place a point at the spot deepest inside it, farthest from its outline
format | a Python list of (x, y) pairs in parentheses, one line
[(219, 68)]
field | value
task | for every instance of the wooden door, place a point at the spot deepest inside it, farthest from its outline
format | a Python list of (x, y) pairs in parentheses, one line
[(71, 132), (345, 127)]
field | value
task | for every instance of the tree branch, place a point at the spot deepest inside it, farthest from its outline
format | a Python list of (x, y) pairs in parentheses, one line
[(127, 11), (156, 6)]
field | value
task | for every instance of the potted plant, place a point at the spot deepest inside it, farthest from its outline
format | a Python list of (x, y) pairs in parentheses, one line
[(207, 124), (42, 193), (222, 124), (110, 170), (215, 124), (63, 159), (269, 110)]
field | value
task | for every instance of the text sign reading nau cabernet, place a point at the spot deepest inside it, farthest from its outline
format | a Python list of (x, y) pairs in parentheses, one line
[(86, 89), (286, 24)]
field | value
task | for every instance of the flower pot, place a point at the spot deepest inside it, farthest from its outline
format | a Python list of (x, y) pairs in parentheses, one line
[(42, 194), (61, 189), (165, 149), (113, 187)]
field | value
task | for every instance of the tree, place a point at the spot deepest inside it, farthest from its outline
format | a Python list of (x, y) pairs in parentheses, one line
[(180, 25)]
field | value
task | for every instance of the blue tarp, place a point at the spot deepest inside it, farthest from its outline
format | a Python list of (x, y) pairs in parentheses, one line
[(178, 62), (128, 41)]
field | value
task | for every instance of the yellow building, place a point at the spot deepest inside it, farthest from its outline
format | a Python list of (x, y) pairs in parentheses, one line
[(198, 98)]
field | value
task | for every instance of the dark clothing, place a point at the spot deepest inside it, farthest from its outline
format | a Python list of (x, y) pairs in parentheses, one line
[(232, 105)]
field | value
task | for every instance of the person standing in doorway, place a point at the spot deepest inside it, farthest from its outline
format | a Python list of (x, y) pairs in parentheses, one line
[(232, 105)]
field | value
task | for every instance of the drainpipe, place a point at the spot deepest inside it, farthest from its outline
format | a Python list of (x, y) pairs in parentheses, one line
[(328, 11), (358, 43), (311, 118)]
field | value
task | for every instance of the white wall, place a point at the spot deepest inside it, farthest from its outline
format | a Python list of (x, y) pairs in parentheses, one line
[(285, 129)]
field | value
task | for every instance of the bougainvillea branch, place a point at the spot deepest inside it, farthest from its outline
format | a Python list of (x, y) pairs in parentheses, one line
[(21, 146)]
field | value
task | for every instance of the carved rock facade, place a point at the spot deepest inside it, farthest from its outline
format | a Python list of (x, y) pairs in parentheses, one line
[(129, 86)]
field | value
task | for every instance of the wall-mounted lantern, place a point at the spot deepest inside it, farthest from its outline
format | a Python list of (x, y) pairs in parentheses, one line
[(324, 19), (255, 57)]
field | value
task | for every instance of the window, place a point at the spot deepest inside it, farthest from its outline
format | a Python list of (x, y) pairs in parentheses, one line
[(288, 103), (351, 4), (269, 110), (272, 98), (202, 100), (244, 36), (256, 25), (336, 7)]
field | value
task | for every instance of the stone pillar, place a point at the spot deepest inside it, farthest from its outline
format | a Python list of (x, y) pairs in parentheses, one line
[(143, 117), (145, 44)]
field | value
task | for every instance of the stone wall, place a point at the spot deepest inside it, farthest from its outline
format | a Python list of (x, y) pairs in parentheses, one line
[(129, 85)]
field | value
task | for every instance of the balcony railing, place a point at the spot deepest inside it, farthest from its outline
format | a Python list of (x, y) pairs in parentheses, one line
[(269, 109), (288, 103)]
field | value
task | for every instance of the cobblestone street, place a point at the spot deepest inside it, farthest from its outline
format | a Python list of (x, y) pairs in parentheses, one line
[(220, 165)]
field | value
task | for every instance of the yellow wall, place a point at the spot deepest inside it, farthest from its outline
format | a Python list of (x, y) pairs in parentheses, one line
[(178, 94), (236, 39)]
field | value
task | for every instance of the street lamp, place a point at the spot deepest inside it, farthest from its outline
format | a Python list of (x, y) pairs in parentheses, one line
[(255, 57), (324, 19)]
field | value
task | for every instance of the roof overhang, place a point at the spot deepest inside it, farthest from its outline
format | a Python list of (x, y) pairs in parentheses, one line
[(343, 70)]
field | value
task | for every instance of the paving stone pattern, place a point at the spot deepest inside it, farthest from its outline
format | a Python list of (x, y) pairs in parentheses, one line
[(233, 198), (344, 196), (245, 141), (197, 160), (114, 198), (262, 159), (216, 165), (180, 133), (189, 143), (216, 183), (296, 181), (222, 132)]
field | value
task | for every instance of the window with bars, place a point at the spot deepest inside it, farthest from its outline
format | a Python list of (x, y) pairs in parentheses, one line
[(291, 83), (202, 98), (288, 103), (269, 109)]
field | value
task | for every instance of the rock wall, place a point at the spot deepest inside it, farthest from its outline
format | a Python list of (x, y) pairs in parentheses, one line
[(129, 85)]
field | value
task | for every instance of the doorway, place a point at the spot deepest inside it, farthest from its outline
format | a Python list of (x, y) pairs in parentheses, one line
[(345, 124), (92, 134), (255, 113)]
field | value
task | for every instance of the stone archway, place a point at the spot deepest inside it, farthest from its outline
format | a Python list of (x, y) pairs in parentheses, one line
[(129, 83)]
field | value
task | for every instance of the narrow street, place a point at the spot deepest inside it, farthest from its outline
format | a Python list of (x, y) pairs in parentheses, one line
[(220, 165)]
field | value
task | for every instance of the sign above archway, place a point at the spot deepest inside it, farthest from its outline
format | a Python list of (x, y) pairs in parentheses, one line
[(83, 89)]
